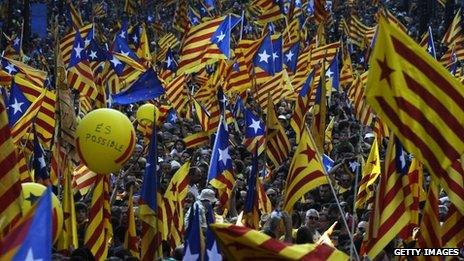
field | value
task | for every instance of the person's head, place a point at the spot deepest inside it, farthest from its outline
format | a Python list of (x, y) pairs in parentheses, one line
[(345, 180), (324, 193), (312, 218), (272, 195), (208, 197), (362, 226), (81, 212), (185, 156), (180, 145)]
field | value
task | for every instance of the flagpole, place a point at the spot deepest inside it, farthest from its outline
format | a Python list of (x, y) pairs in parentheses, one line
[(241, 24), (336, 200), (354, 205)]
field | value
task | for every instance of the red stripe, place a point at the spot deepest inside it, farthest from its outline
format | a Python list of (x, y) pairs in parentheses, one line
[(128, 151), (301, 183), (409, 134)]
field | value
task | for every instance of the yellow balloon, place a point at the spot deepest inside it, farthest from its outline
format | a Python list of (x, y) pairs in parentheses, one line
[(105, 140), (31, 193), (146, 114)]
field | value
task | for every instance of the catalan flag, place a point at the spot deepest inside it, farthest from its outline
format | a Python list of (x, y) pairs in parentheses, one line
[(359, 33), (130, 237), (75, 16), (99, 230), (67, 42), (346, 73), (263, 61), (41, 174), (80, 76), (220, 174), (306, 171), (454, 34), (176, 92), (67, 240), (254, 133), (452, 230), (83, 179), (430, 229), (416, 185), (370, 173), (13, 48), (277, 143), (32, 238), (389, 215), (251, 209), (13, 67), (196, 139), (198, 43), (266, 10), (319, 112), (291, 57), (272, 88), (301, 107), (242, 243), (181, 22), (194, 243), (406, 85), (130, 6), (148, 206), (10, 191), (320, 12)]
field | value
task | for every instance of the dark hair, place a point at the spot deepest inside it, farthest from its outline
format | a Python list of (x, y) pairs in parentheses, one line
[(304, 236)]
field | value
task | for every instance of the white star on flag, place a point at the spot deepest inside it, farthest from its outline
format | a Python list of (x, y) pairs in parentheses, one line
[(189, 256), (263, 57), (115, 61), (275, 56), (17, 106), (213, 253), (16, 41), (220, 37), (10, 68), (78, 49), (255, 126), (289, 56), (93, 55), (30, 256), (168, 61), (224, 156)]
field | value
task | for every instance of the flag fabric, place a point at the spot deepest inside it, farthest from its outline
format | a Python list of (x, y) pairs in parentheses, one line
[(194, 237), (198, 43), (407, 86), (35, 226), (291, 57), (430, 229), (99, 230), (220, 174), (319, 112), (263, 60), (301, 107), (356, 94), (10, 190), (454, 34), (178, 186), (41, 174), (266, 10), (176, 92), (320, 12), (346, 72), (370, 173), (67, 240), (45, 121), (202, 114), (242, 243), (430, 44), (416, 184), (212, 250), (13, 67), (389, 216), (79, 75), (83, 179), (359, 33), (130, 237), (452, 230), (67, 42), (277, 143), (196, 140), (75, 16), (254, 133), (251, 208), (272, 88), (333, 74), (148, 206), (306, 172), (277, 52), (145, 88)]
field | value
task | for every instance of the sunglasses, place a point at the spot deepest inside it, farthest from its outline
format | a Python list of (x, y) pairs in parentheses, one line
[(313, 218)]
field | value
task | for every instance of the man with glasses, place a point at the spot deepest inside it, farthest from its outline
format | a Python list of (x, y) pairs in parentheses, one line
[(312, 223)]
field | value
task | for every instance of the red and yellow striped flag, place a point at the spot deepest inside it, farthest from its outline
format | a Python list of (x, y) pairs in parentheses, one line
[(176, 92), (66, 43), (277, 143), (360, 34), (346, 73), (45, 121), (24, 174), (306, 171), (99, 231), (272, 88), (242, 243), (416, 184), (454, 34), (267, 11), (420, 101), (320, 13), (430, 229), (319, 112), (10, 189), (83, 179), (130, 238), (75, 16), (371, 170), (68, 241), (389, 216), (196, 140), (452, 229)]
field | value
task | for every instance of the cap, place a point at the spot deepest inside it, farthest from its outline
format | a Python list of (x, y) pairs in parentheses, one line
[(208, 194), (362, 224), (282, 117), (369, 135)]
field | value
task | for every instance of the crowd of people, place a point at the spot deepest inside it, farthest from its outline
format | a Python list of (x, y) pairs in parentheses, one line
[(317, 211)]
